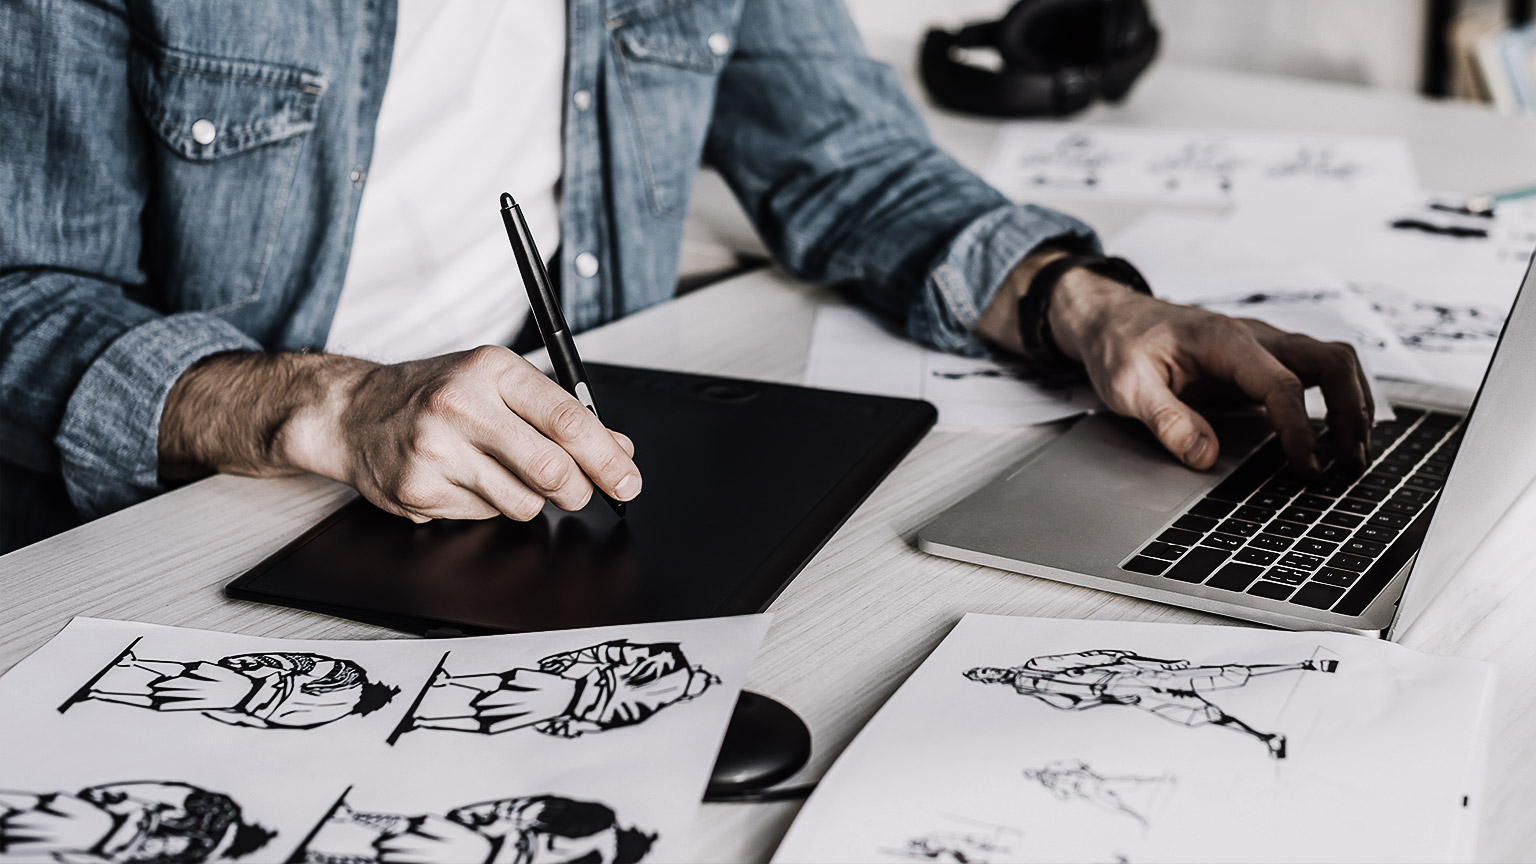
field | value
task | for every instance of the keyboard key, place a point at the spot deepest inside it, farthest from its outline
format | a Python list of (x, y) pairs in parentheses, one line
[(1240, 527), (1317, 596), (1287, 575), (1211, 508), (1312, 546), (1355, 505), (1410, 494), (1143, 564), (1272, 590), (1422, 481), (1335, 576), (1270, 543), (1235, 577), (1383, 481), (1300, 514), (1267, 501), (1346, 561), (1330, 488), (1312, 502), (1390, 520), (1200, 524), (1179, 536), (1254, 514), (1285, 529), (1389, 468), (1165, 551), (1434, 469), (1250, 475), (1255, 556), (1405, 417), (1367, 548), (1222, 541), (1402, 508), (1298, 561), (1343, 520), (1378, 533), (1198, 564), (1282, 488), (1439, 421), (1330, 533)]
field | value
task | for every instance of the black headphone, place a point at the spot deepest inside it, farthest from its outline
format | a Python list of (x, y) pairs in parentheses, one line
[(1058, 56)]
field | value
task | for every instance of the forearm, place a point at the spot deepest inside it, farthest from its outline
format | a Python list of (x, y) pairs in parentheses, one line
[(260, 415)]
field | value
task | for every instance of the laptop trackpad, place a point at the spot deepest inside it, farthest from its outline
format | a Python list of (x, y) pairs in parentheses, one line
[(1117, 460)]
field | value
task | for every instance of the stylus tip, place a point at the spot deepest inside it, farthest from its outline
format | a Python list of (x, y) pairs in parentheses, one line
[(506, 201)]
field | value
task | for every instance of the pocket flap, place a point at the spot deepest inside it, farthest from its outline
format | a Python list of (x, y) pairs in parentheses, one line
[(687, 33), (205, 107)]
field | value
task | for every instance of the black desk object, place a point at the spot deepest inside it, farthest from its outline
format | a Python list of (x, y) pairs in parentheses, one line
[(744, 482)]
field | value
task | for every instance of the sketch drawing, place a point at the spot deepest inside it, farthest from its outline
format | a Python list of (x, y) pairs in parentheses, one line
[(1170, 689), (1073, 780), (987, 372), (141, 822), (541, 829), (566, 695), (1316, 162), (1435, 327), (1204, 164), (1076, 159), (970, 841), (271, 691)]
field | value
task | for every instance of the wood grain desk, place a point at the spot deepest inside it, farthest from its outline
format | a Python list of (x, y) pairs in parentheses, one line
[(869, 607)]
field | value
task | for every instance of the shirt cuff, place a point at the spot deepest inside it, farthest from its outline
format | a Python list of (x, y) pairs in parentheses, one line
[(109, 440), (975, 265)]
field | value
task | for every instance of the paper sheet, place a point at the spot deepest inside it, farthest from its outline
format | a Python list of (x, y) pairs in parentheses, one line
[(445, 750), (1444, 282), (1027, 739), (852, 350), (1037, 159)]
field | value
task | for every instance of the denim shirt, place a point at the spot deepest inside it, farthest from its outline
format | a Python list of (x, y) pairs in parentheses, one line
[(181, 178)]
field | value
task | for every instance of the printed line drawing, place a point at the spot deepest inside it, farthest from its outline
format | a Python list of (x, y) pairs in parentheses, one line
[(539, 829), (1075, 160), (136, 822), (971, 841), (1434, 327), (1322, 163), (1170, 689), (269, 691), (566, 695), (1074, 780), (1198, 163)]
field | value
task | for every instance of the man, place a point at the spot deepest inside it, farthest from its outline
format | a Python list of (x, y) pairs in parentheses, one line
[(1170, 689), (592, 689), (261, 240)]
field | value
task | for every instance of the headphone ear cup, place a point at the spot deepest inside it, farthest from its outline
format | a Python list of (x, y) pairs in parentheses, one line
[(962, 87)]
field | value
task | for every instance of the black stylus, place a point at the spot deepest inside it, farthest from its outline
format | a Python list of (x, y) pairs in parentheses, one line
[(546, 313)]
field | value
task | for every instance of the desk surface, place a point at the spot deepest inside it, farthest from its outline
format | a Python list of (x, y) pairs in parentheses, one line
[(869, 607)]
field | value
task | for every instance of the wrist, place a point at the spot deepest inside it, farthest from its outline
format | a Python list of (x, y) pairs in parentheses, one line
[(312, 434), (1081, 307)]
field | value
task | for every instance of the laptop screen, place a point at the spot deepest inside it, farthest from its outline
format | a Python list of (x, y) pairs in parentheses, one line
[(1496, 462)]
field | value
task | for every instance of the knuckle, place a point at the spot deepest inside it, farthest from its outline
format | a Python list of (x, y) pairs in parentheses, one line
[(568, 419), (430, 446), (525, 508), (486, 357), (550, 470), (419, 491), (1343, 354), (450, 399), (1165, 419)]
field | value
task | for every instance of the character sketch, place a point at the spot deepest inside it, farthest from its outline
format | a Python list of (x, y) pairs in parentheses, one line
[(540, 829), (1074, 780), (1075, 160), (1317, 163), (1198, 163), (140, 822), (970, 841), (1170, 689), (270, 691), (593, 689), (1434, 327)]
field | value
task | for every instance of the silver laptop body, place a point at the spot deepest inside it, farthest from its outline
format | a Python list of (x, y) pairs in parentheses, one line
[(1086, 504)]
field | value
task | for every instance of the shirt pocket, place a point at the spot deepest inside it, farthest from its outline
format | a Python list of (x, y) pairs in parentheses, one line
[(670, 53), (230, 135)]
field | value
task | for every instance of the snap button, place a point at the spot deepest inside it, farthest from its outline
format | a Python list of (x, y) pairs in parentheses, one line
[(203, 132), (583, 99), (719, 43), (357, 176), (586, 265)]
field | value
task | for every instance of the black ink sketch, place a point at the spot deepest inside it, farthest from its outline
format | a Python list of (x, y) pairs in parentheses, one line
[(140, 822), (540, 829), (1198, 163), (1170, 689), (990, 372), (1073, 780), (1433, 327), (269, 691), (973, 842), (1075, 160), (565, 695), (1455, 231), (1318, 163), (1255, 302)]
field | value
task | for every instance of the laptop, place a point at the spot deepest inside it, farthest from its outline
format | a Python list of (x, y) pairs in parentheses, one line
[(1104, 506)]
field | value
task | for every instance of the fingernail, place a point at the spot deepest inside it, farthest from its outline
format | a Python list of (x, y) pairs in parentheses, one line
[(629, 487), (1196, 450), (1313, 465), (1360, 454)]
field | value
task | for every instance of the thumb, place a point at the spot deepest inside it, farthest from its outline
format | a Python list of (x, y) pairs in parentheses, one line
[(1177, 426)]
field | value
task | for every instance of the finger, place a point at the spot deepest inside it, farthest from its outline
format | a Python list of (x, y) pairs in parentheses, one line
[(1233, 354), (624, 441), (539, 464), (1336, 369), (1178, 427), (454, 503), (492, 483), (563, 420)]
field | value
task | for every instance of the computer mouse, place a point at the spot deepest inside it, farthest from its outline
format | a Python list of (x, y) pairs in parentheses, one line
[(765, 743)]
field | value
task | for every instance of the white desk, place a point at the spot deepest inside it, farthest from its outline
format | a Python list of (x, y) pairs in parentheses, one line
[(869, 606)]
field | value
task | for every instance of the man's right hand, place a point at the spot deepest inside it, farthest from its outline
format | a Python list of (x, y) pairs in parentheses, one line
[(462, 436)]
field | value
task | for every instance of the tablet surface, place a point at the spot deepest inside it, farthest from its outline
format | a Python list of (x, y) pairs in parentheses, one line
[(744, 482)]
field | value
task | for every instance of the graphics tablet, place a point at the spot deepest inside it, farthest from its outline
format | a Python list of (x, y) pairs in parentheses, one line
[(744, 482)]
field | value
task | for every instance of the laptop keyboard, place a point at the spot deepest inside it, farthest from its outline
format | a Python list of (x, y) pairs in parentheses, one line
[(1331, 543)]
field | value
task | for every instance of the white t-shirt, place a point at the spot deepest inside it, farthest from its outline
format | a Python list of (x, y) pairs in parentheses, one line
[(473, 108)]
